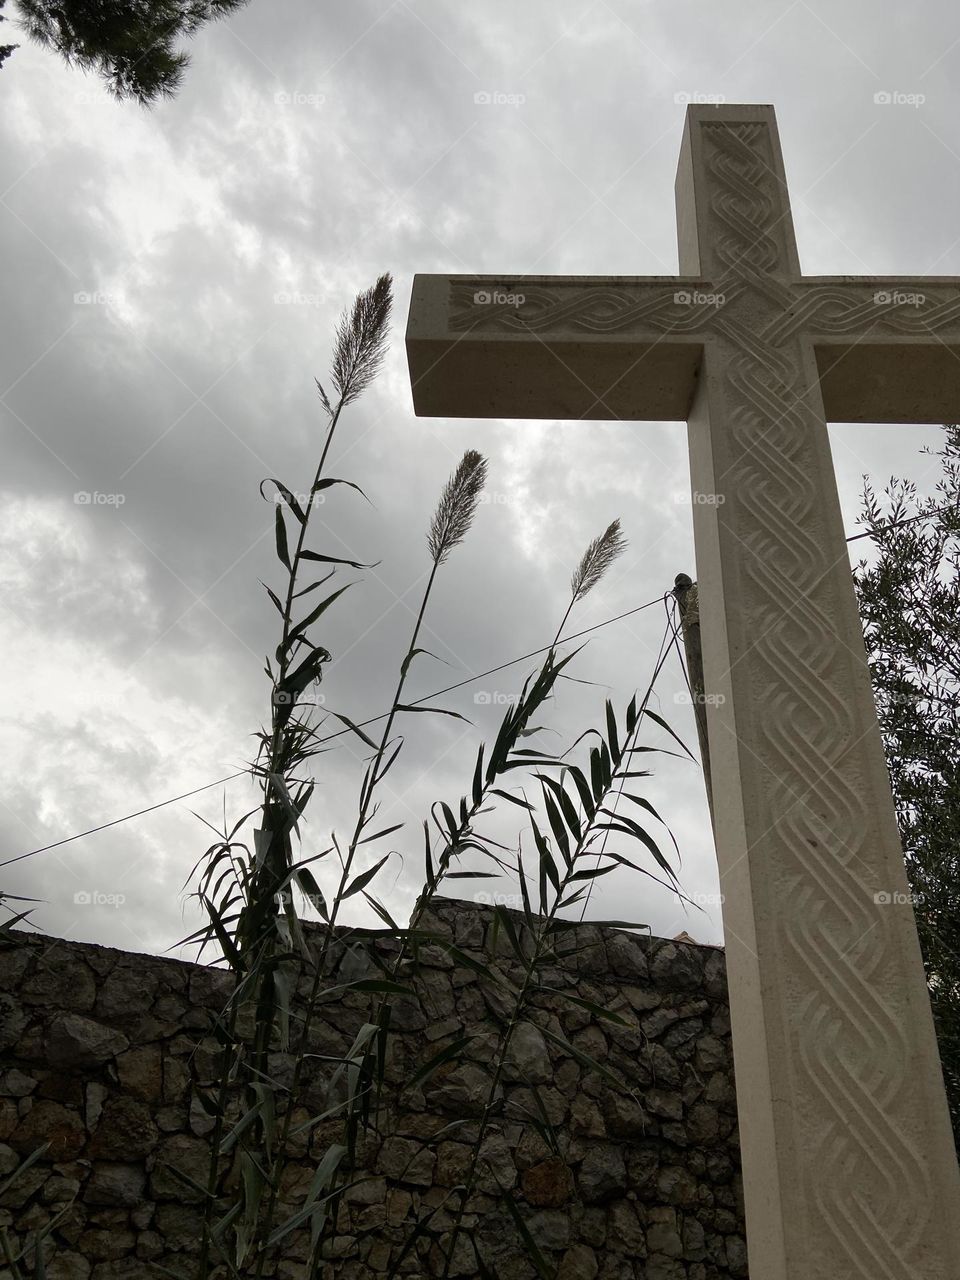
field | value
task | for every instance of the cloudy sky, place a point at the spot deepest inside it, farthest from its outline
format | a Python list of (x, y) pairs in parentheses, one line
[(172, 278)]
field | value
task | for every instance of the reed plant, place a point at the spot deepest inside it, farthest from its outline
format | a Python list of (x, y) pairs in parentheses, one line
[(281, 971)]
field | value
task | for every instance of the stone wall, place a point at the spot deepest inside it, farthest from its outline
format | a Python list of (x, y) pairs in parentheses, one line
[(105, 1055)]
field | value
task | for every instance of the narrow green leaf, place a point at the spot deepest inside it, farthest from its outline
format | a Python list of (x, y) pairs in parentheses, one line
[(567, 807), (505, 795), (502, 919), (543, 763), (556, 826), (384, 914), (449, 817), (356, 729), (564, 926), (405, 665), (378, 835), (645, 804), (301, 627), (452, 1050), (477, 966), (231, 954), (308, 884), (275, 598), (23, 1166), (591, 873), (631, 721), (244, 1123), (522, 879), (584, 1058), (361, 881), (288, 498), (314, 586), (280, 787), (596, 1009), (477, 792), (428, 858), (612, 733), (436, 711), (547, 869), (663, 725), (281, 983), (326, 484), (379, 986), (185, 1177), (306, 673), (310, 1210), (634, 828), (596, 775), (354, 564), (544, 1270), (282, 550)]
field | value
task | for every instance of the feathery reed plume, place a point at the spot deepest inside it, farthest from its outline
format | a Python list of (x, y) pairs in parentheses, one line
[(361, 342), (457, 506), (597, 559)]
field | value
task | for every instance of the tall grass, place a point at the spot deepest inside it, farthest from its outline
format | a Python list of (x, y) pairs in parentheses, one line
[(248, 892)]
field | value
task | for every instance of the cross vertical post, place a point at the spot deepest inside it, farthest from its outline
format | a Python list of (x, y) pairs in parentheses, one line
[(837, 1067), (849, 1166)]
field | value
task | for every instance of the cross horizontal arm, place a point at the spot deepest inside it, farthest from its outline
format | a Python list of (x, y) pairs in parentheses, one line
[(614, 347), (887, 347)]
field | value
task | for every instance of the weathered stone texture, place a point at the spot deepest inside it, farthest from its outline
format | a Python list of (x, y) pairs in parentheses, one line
[(108, 1057)]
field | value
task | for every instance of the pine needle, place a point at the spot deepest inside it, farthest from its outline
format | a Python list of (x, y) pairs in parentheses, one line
[(362, 341), (597, 559), (457, 506)]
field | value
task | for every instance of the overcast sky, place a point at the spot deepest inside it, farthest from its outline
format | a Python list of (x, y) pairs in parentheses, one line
[(312, 147)]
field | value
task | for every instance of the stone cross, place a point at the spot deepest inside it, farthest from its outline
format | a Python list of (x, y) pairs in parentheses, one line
[(849, 1167)]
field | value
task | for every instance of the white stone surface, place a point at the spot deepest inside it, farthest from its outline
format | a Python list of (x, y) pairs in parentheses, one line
[(850, 1171)]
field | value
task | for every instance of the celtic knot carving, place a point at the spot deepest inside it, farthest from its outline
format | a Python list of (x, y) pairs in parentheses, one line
[(845, 1038), (574, 306)]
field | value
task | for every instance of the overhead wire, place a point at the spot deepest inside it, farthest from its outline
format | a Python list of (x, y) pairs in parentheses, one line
[(927, 515), (362, 724)]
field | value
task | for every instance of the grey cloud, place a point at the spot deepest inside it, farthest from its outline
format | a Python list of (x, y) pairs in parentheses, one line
[(200, 213)]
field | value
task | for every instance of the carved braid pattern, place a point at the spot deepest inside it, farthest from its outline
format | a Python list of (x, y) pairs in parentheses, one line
[(591, 308), (847, 1050), (853, 309)]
